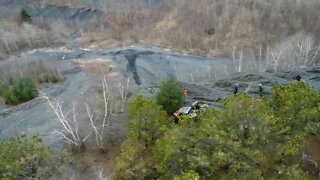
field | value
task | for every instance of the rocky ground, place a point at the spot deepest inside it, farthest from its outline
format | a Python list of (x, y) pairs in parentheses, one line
[(206, 79)]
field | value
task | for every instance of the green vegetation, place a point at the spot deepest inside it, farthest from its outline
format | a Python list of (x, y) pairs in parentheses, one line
[(211, 31), (147, 124), (25, 158), (146, 120), (170, 96), (251, 138), (18, 78), (25, 16), (22, 90)]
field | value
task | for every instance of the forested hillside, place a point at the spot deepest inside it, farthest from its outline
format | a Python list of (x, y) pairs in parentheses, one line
[(159, 89)]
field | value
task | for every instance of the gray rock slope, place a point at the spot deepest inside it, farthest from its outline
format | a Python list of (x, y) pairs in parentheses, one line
[(206, 79)]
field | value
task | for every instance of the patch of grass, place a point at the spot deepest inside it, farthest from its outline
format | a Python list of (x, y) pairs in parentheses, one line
[(48, 79)]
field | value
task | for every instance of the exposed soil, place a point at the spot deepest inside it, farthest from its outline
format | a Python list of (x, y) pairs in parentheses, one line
[(311, 164), (90, 162)]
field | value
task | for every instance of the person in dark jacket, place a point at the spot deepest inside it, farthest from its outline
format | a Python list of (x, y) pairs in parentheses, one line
[(236, 89), (260, 90), (298, 77)]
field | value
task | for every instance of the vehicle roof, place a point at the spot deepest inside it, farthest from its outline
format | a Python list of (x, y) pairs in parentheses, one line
[(184, 110)]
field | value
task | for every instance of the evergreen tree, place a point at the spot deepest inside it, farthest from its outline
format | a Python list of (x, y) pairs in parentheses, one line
[(25, 16), (170, 96)]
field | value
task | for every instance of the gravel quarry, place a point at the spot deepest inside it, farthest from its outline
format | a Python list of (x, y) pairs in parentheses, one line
[(206, 79)]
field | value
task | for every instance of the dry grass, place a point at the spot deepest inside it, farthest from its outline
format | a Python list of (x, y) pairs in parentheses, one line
[(60, 3), (17, 37), (98, 66), (38, 70), (244, 25), (182, 24)]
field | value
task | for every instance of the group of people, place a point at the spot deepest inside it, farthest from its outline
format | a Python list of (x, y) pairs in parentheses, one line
[(260, 91), (236, 89)]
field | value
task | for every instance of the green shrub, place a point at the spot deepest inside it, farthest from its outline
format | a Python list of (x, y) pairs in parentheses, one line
[(147, 125), (25, 16), (211, 31), (9, 98), (22, 91), (28, 158), (146, 119), (170, 96)]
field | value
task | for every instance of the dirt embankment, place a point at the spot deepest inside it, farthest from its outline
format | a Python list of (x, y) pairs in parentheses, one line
[(79, 17)]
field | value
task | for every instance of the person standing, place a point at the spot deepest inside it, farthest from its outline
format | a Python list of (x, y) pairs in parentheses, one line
[(236, 89), (298, 77), (185, 94), (260, 90)]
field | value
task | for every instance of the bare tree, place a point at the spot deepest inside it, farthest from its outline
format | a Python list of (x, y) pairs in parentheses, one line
[(306, 52), (275, 54), (70, 127), (123, 94), (237, 62), (99, 129), (70, 131)]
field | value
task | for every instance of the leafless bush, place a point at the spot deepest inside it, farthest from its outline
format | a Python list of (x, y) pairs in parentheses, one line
[(38, 70), (70, 125), (246, 24)]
